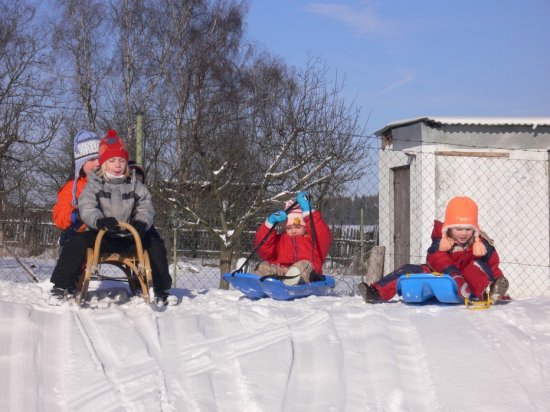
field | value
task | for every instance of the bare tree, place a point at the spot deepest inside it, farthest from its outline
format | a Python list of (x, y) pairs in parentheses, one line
[(140, 59), (27, 125), (247, 133), (230, 133), (80, 39)]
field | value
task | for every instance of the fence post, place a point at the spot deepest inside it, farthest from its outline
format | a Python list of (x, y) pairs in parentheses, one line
[(362, 248), (375, 268), (174, 247)]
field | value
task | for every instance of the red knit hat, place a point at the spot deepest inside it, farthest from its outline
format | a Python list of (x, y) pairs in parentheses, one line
[(112, 146), (461, 212)]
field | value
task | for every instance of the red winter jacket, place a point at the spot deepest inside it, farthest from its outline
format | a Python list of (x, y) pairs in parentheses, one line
[(282, 249), (477, 271), (63, 209)]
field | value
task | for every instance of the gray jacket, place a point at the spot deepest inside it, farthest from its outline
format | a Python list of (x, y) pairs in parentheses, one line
[(124, 199)]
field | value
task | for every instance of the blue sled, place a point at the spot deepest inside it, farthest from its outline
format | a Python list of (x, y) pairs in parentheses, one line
[(253, 288), (420, 287)]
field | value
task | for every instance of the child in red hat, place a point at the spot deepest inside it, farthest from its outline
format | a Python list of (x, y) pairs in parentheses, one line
[(458, 249), (111, 196), (294, 255)]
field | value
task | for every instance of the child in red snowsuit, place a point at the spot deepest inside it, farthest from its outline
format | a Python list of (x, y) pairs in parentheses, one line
[(295, 255), (458, 249)]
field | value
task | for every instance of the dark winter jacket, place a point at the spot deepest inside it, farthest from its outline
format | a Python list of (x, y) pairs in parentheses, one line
[(282, 249), (122, 198)]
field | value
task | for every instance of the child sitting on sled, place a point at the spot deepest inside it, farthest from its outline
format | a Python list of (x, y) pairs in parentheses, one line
[(297, 254), (111, 196), (460, 249), (65, 211)]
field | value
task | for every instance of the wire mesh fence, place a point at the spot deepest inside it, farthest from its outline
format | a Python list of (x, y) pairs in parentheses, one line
[(399, 200)]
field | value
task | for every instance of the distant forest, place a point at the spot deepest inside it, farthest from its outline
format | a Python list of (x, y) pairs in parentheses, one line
[(347, 210)]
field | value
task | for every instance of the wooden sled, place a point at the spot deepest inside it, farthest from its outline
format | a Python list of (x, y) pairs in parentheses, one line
[(135, 265)]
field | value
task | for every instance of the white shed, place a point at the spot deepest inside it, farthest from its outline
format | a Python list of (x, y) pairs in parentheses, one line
[(502, 163)]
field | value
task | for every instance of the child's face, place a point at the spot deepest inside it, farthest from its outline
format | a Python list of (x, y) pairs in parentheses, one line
[(116, 165), (90, 166), (295, 230), (462, 235)]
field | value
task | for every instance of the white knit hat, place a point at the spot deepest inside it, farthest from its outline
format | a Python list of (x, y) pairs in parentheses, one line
[(86, 146)]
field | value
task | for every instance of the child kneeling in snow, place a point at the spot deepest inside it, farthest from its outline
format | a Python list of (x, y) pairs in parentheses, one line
[(459, 249), (108, 197), (297, 254)]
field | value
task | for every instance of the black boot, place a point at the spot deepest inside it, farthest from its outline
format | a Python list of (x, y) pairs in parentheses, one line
[(162, 297), (59, 295), (369, 293)]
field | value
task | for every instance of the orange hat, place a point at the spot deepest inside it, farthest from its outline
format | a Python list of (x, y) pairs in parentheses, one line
[(294, 216), (461, 212), (112, 146)]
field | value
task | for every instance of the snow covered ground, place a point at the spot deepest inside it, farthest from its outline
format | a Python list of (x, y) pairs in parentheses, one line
[(217, 351)]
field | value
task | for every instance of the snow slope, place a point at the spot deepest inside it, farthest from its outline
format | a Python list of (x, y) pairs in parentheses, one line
[(216, 351)]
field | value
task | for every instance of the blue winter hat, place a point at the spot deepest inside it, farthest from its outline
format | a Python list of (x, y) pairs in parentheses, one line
[(86, 146)]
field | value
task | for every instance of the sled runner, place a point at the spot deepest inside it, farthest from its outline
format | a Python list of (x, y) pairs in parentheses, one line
[(421, 287), (255, 287), (136, 266)]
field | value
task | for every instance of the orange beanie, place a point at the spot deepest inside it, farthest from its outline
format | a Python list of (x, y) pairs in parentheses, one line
[(461, 212)]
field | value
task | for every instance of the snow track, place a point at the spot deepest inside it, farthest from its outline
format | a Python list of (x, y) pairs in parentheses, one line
[(218, 352)]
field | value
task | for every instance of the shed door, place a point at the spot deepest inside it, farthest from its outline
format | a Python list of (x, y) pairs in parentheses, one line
[(401, 216)]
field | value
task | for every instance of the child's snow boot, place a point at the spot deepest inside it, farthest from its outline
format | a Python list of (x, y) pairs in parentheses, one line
[(292, 277), (498, 288), (369, 293), (164, 298), (59, 295)]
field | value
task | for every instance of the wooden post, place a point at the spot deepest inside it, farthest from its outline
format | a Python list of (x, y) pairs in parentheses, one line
[(375, 267), (362, 248)]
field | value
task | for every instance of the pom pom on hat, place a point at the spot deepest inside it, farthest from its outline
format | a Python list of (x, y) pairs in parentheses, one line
[(112, 146), (461, 212), (86, 147), (294, 216)]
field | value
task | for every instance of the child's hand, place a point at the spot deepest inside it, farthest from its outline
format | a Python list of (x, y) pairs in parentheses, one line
[(141, 227), (303, 200), (108, 223), (277, 217)]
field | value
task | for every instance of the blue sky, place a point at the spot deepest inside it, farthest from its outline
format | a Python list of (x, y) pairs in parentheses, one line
[(403, 59)]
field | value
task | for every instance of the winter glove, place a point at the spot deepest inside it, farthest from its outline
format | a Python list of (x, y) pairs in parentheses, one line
[(140, 226), (303, 200), (277, 217), (108, 223)]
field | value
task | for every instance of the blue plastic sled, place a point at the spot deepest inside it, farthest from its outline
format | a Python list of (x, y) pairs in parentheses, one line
[(251, 286), (421, 287)]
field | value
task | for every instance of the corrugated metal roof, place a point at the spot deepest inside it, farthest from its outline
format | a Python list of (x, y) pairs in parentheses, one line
[(477, 121)]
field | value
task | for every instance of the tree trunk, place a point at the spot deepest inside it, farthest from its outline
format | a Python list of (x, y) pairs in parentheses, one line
[(225, 265)]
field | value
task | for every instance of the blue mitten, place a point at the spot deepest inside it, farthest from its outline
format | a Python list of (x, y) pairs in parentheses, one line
[(303, 200), (277, 217), (75, 217)]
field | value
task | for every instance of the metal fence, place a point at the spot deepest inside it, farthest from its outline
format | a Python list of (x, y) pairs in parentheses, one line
[(29, 249), (410, 189)]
